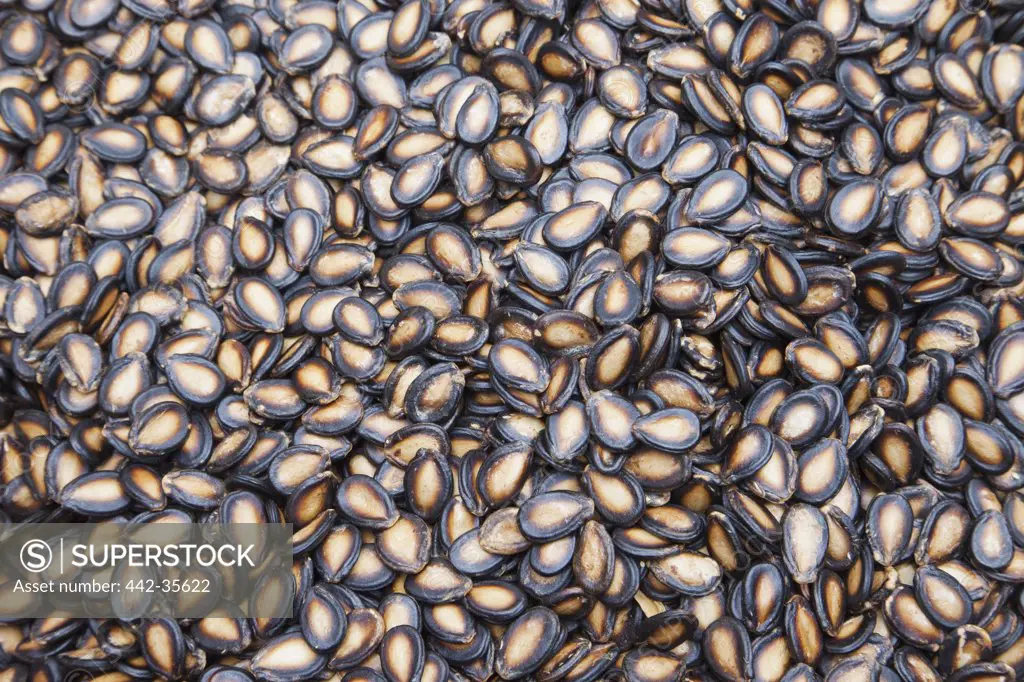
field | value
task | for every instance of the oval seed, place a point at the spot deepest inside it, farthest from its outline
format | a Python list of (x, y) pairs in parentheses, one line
[(365, 502), (287, 655), (97, 494), (890, 522), (805, 541), (552, 515)]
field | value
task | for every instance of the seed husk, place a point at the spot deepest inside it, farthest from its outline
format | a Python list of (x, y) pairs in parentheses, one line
[(890, 524), (674, 430), (194, 489), (990, 543), (729, 645), (941, 434), (97, 494), (748, 452), (503, 473), (160, 429), (496, 600), (716, 196), (805, 540), (549, 516), (323, 619), (364, 501), (286, 656), (783, 276), (690, 573), (943, 598)]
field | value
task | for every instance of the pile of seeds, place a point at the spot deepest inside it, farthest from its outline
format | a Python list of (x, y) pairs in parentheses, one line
[(646, 340)]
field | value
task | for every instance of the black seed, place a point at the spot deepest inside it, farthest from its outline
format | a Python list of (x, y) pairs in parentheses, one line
[(890, 522), (287, 656), (549, 516), (527, 643)]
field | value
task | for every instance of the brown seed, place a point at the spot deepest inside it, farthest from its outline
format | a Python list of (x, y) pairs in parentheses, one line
[(890, 523), (527, 642), (405, 545), (286, 656), (323, 620), (366, 503), (193, 489), (96, 494), (728, 645), (907, 618), (362, 635), (813, 362), (805, 541), (552, 515)]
